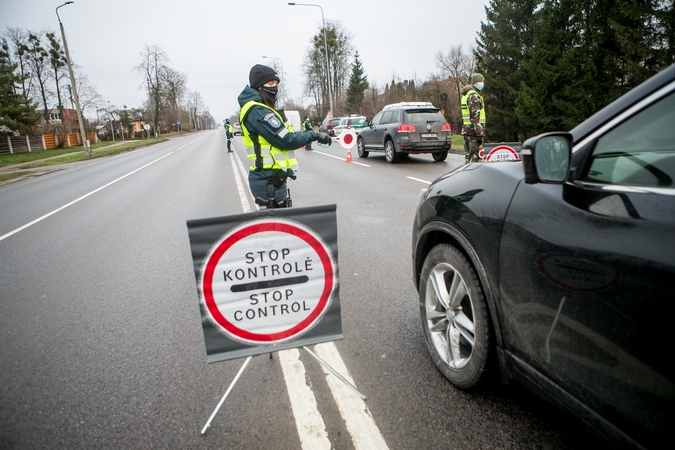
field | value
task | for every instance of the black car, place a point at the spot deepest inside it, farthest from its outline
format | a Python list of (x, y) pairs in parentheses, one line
[(405, 128), (558, 271), (328, 126)]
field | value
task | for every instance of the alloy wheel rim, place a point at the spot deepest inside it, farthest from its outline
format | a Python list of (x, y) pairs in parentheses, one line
[(449, 315)]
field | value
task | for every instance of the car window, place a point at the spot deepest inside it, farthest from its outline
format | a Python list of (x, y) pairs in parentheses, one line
[(386, 118), (390, 117), (640, 151), (377, 119), (424, 116)]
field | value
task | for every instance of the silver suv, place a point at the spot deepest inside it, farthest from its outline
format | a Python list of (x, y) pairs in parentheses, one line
[(406, 128)]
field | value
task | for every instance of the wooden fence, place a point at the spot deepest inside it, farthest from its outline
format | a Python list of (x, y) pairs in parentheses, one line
[(25, 144)]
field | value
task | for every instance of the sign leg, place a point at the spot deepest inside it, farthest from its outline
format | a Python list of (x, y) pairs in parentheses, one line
[(340, 377), (229, 389)]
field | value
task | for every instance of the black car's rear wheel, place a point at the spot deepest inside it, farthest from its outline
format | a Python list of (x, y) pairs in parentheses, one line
[(455, 318), (361, 148), (440, 156), (390, 152)]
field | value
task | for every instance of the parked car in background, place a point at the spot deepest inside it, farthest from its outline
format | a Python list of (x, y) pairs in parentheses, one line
[(328, 125), (236, 128), (557, 270), (355, 122), (404, 129)]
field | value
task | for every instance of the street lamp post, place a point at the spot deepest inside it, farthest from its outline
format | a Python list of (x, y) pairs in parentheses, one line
[(85, 141), (283, 86), (325, 48)]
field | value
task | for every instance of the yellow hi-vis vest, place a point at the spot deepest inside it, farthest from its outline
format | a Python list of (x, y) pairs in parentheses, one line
[(466, 114), (272, 158)]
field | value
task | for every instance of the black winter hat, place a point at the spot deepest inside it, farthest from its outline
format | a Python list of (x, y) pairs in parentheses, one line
[(260, 75)]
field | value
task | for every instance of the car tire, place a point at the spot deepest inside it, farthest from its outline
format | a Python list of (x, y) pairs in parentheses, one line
[(361, 148), (455, 318), (390, 152), (440, 156)]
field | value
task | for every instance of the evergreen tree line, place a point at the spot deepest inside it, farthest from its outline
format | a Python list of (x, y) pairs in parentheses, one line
[(548, 65)]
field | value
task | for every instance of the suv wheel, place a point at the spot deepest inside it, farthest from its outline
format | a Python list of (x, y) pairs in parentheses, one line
[(390, 152), (455, 318), (361, 148), (440, 156)]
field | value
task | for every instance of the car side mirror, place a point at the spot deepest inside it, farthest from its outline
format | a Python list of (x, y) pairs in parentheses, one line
[(546, 158)]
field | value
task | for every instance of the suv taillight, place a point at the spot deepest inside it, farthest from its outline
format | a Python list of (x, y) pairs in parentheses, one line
[(446, 127), (406, 128)]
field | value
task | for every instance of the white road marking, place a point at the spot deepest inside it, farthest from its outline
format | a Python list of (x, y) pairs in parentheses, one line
[(360, 424), (419, 179), (337, 157), (308, 421), (240, 185), (41, 218)]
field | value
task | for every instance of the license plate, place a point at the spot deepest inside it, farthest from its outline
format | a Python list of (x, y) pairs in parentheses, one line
[(428, 135)]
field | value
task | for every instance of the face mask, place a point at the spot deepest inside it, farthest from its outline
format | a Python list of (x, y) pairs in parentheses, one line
[(271, 90), (480, 85)]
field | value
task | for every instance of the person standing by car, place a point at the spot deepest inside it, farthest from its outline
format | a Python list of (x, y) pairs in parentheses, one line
[(269, 140), (307, 126), (473, 118), (229, 133)]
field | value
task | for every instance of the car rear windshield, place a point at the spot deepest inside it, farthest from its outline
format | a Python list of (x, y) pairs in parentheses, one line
[(425, 116), (357, 121)]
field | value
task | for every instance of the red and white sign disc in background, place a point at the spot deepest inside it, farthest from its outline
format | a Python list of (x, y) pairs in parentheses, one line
[(268, 281), (502, 153), (347, 138)]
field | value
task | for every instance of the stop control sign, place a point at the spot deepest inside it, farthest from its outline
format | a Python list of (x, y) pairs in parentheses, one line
[(267, 281)]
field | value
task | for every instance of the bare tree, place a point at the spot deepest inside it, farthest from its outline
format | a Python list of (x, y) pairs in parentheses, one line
[(57, 61), (174, 89), (38, 64), (89, 97), (19, 39), (456, 65), (153, 69), (338, 43), (194, 107)]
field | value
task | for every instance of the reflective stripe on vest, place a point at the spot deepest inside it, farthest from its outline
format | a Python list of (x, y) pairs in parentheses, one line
[(273, 158), (466, 114)]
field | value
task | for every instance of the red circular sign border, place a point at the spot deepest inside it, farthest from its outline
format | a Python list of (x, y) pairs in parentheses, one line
[(503, 147), (246, 231)]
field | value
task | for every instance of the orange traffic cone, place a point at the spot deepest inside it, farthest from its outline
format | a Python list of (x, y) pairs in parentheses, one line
[(349, 155)]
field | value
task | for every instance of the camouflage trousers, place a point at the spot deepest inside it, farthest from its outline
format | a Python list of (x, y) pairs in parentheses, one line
[(472, 147)]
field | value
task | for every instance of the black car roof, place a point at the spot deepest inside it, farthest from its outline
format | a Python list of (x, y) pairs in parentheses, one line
[(625, 101)]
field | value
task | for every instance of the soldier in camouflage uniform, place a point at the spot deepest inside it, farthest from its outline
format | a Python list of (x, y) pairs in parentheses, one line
[(473, 119)]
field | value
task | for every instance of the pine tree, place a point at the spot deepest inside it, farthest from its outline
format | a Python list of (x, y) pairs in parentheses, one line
[(502, 46), (358, 83), (15, 109)]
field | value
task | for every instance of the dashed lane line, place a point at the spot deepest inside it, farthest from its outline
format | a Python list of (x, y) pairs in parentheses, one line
[(340, 158), (419, 179)]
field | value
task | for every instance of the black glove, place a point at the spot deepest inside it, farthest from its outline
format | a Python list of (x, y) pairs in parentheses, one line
[(324, 139)]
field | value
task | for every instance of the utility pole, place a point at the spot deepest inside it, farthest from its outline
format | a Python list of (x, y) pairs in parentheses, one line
[(85, 141)]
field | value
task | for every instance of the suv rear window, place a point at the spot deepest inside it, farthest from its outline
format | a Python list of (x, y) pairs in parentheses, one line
[(425, 116)]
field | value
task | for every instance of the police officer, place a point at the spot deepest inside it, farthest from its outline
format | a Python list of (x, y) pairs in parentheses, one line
[(269, 140), (307, 126), (229, 132), (473, 118)]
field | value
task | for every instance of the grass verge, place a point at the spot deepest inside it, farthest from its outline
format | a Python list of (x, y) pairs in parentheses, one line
[(11, 175), (79, 156)]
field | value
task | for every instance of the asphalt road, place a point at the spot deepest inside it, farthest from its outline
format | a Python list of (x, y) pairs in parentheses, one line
[(100, 336)]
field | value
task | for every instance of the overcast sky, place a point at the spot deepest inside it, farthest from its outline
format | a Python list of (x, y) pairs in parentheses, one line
[(215, 42)]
